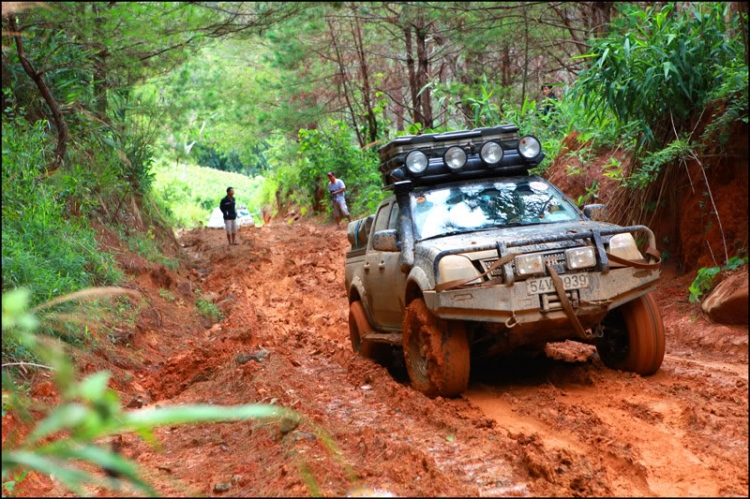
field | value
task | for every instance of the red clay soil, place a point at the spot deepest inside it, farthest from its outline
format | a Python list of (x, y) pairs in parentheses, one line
[(559, 423)]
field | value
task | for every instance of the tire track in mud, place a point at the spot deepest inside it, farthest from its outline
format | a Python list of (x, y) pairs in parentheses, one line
[(558, 424)]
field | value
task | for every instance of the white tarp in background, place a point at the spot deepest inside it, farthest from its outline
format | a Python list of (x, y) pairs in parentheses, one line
[(216, 220)]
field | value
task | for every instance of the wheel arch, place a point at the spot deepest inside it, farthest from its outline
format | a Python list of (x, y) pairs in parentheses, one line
[(415, 284)]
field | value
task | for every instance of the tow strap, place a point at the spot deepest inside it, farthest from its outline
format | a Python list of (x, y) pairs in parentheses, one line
[(560, 288)]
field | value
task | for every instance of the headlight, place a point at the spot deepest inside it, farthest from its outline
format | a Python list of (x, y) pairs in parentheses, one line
[(416, 162), (529, 147), (491, 153), (580, 258), (527, 265), (454, 267), (623, 245), (455, 158)]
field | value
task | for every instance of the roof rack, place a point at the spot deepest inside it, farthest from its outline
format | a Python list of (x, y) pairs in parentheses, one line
[(436, 169)]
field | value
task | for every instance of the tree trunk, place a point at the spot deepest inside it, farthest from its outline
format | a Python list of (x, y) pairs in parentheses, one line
[(344, 80), (505, 71), (423, 75), (416, 113), (525, 56), (100, 65), (600, 14), (62, 127), (743, 9), (372, 123)]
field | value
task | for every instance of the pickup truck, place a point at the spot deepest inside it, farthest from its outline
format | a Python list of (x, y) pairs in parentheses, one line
[(473, 257)]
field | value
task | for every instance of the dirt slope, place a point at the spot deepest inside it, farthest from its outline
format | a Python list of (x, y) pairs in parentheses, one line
[(557, 424)]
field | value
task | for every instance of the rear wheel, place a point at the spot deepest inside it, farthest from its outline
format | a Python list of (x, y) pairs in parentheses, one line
[(436, 352), (359, 326), (633, 337)]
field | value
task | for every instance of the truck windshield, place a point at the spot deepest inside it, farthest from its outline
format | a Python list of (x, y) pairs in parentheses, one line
[(509, 202)]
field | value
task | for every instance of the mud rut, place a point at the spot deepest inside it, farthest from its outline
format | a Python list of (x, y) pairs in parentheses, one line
[(555, 424)]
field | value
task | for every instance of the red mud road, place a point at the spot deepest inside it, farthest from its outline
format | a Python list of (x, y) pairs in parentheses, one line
[(556, 424)]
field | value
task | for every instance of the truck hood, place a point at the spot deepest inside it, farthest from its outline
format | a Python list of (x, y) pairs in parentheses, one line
[(431, 247)]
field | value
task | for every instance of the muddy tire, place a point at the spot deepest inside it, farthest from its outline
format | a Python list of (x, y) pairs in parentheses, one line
[(358, 327), (634, 337), (436, 352)]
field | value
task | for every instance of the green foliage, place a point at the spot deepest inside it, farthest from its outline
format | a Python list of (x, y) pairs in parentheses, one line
[(733, 90), (45, 247), (10, 485), (333, 149), (147, 246), (657, 64), (702, 282), (734, 263), (88, 411), (653, 162), (209, 310)]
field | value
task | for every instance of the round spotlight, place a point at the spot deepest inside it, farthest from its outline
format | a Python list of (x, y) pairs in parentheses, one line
[(455, 158), (529, 147), (491, 153), (416, 162)]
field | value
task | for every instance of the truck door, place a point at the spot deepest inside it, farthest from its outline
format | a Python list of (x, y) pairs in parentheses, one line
[(386, 284)]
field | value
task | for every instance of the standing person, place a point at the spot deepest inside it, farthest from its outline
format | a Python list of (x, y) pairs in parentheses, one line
[(550, 100), (336, 188), (230, 216)]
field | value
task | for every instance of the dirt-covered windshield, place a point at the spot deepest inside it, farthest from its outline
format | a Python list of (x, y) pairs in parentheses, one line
[(488, 204)]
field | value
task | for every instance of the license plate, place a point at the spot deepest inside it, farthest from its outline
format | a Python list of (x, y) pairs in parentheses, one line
[(544, 284)]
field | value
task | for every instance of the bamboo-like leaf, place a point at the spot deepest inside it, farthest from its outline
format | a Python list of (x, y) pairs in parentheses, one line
[(71, 478), (110, 461), (202, 414), (64, 417)]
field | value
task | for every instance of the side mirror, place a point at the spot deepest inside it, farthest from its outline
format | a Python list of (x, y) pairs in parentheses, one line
[(596, 212), (385, 240)]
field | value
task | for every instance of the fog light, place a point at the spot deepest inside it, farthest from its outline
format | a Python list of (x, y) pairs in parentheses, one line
[(527, 265), (580, 258)]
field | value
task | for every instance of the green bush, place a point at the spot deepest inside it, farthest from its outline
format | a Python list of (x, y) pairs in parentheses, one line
[(657, 65), (209, 310), (334, 149)]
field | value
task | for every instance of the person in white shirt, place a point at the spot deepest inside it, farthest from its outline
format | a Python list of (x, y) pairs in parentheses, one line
[(336, 188)]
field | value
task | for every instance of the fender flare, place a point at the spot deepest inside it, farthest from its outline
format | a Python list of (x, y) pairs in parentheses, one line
[(416, 282), (358, 287)]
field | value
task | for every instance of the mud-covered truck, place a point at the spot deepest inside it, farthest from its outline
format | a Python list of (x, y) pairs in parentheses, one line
[(472, 257)]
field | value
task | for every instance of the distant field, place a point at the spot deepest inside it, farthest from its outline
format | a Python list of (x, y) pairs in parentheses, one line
[(190, 199)]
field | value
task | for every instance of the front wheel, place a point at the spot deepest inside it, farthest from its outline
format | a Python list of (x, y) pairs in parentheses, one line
[(633, 337), (436, 352)]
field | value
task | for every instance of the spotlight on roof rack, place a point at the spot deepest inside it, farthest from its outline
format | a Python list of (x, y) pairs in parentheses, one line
[(455, 158), (529, 147), (491, 153), (416, 162)]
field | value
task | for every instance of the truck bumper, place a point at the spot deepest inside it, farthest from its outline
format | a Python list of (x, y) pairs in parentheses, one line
[(514, 305)]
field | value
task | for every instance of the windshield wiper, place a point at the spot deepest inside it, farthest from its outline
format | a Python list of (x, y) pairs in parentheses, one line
[(446, 234)]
